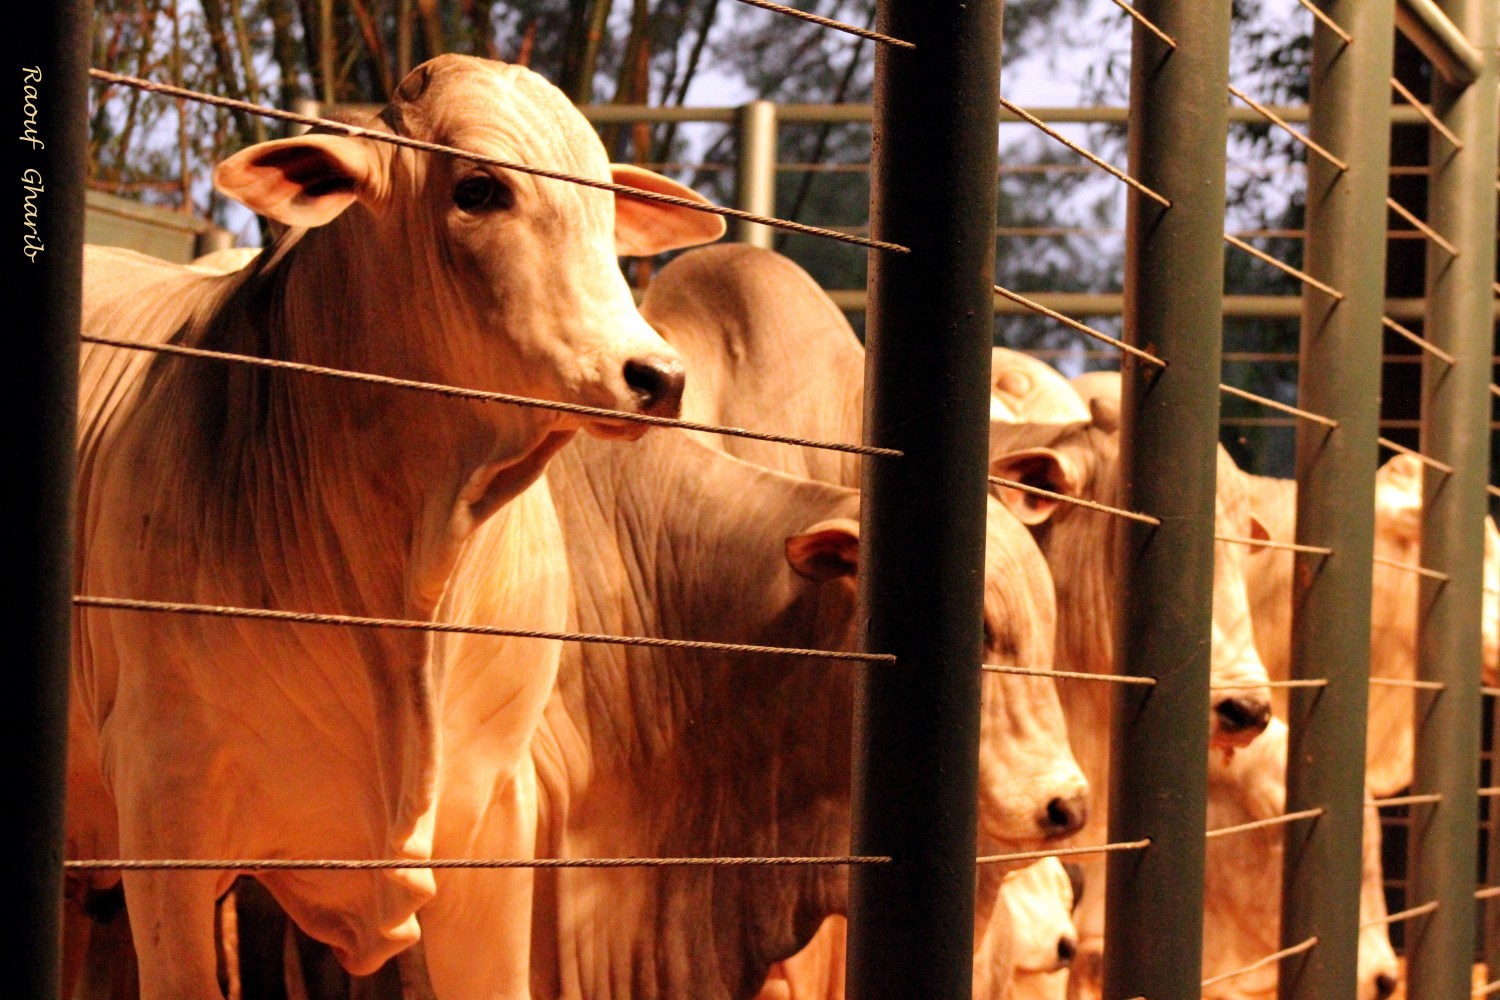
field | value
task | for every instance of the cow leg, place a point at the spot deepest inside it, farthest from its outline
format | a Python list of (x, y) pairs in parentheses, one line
[(172, 917), (493, 906)]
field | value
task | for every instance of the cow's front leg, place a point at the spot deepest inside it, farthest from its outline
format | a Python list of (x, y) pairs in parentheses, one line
[(477, 929), (172, 921)]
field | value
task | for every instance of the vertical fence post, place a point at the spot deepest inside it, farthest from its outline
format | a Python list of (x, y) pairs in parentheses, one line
[(755, 170), (1455, 421), (46, 278), (927, 376), (1339, 377), (1174, 287)]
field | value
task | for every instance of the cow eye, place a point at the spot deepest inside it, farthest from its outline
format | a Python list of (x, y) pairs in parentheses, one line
[(483, 193)]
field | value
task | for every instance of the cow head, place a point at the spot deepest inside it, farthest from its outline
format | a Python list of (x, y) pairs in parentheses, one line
[(447, 270), (1031, 790), (1081, 459)]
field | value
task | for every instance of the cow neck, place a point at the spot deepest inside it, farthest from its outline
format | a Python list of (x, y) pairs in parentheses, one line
[(379, 471), (707, 754)]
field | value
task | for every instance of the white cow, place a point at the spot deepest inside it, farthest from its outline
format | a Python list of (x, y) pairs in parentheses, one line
[(1082, 460), (1242, 916), (1393, 607), (222, 484)]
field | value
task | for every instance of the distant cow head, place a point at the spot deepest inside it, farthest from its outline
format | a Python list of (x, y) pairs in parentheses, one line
[(455, 270)]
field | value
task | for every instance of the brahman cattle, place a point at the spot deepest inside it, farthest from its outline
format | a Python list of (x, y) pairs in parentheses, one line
[(224, 484)]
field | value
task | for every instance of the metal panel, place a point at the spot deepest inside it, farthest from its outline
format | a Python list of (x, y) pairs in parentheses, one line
[(1173, 288), (53, 41), (755, 171), (927, 375), (1340, 378), (1455, 419)]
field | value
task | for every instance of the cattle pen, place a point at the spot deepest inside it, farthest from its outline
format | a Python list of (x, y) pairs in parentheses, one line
[(930, 309)]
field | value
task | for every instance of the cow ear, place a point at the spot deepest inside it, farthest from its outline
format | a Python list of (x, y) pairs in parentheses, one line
[(1398, 497), (646, 228), (1259, 532), (306, 181), (1105, 412), (827, 550), (1041, 468)]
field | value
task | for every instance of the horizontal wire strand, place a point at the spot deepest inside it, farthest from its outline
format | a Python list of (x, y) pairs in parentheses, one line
[(479, 394), (1292, 817), (1431, 574), (1064, 852), (1405, 682), (1286, 127), (1276, 404), (1422, 227), (1268, 543), (1300, 682), (1402, 915), (1426, 112), (1300, 275), (1486, 990), (1426, 460), (402, 624), (1104, 165), (1489, 892), (1261, 963), (1075, 501), (335, 864), (1146, 23), (1493, 692), (1082, 328), (345, 128), (1419, 340), (1493, 491), (1072, 675), (1327, 21), (1431, 798), (825, 22), (1490, 792)]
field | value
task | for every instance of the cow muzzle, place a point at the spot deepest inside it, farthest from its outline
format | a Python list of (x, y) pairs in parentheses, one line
[(656, 383), (1240, 719)]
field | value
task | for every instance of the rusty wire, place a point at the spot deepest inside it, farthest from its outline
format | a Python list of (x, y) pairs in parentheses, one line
[(1431, 574), (1072, 675), (1300, 275), (1301, 682), (1426, 460), (1259, 824), (1104, 165), (1276, 404), (479, 394), (1422, 227), (1267, 543), (1075, 501), (1426, 112), (1327, 21), (1401, 915), (1082, 328), (344, 128), (1146, 23), (409, 625), (404, 864), (1406, 682), (1064, 852), (1430, 798), (1420, 341), (1286, 127), (825, 22), (1261, 963)]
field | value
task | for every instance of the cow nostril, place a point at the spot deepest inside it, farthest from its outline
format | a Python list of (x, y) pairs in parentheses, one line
[(1066, 949), (1065, 816), (1237, 715), (657, 384), (1385, 985)]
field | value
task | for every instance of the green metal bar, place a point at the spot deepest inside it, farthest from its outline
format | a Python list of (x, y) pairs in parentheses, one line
[(1340, 368), (1168, 447), (52, 49), (916, 722), (1461, 203), (1081, 304)]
